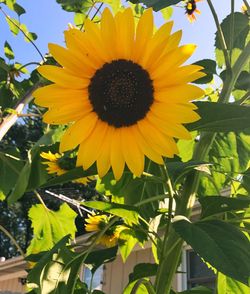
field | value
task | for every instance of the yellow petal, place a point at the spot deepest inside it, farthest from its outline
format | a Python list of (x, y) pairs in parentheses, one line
[(77, 43), (174, 59), (116, 156), (168, 128), (54, 95), (178, 113), (125, 38), (155, 46), (157, 140), (108, 33), (70, 61), (90, 148), (144, 33), (145, 147), (65, 113), (62, 78), (78, 132), (178, 94), (133, 156), (93, 36), (103, 160), (184, 74)]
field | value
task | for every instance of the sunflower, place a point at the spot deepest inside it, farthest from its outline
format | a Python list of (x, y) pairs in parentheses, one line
[(53, 166), (96, 223), (191, 9), (123, 90)]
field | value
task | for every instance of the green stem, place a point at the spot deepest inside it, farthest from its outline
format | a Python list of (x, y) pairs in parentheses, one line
[(231, 31), (220, 34)]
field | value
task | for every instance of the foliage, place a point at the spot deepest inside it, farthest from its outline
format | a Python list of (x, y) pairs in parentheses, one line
[(155, 209)]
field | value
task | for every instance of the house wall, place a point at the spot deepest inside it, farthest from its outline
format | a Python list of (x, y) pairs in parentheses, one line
[(116, 273), (12, 285)]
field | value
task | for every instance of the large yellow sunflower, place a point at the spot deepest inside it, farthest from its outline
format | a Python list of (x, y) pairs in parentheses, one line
[(123, 89)]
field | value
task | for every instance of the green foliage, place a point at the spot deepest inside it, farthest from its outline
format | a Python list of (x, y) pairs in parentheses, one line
[(235, 39), (227, 285), (209, 69), (50, 226), (222, 245), (219, 204), (129, 213), (158, 4), (220, 117), (143, 270)]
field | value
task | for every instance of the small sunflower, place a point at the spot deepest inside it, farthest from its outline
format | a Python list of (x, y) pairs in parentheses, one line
[(53, 166), (191, 8), (96, 223), (123, 89)]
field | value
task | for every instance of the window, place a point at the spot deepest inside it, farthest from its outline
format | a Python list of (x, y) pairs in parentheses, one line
[(96, 279), (197, 272)]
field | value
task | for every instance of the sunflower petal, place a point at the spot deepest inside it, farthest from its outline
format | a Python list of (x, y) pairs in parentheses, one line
[(116, 157), (87, 155), (62, 78), (78, 132), (133, 156)]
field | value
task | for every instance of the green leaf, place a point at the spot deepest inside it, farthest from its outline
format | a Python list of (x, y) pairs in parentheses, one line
[(241, 29), (6, 97), (140, 290), (220, 117), (167, 12), (217, 204), (237, 38), (50, 226), (209, 68), (143, 270), (8, 51), (13, 25), (127, 241), (10, 167), (159, 4), (35, 275), (75, 5), (21, 183), (19, 9), (220, 244), (127, 212), (243, 81), (226, 285)]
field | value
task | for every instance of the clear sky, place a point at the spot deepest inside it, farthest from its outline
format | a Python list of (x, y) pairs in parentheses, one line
[(48, 20)]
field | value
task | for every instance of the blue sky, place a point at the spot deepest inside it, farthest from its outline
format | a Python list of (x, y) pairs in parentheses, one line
[(48, 20)]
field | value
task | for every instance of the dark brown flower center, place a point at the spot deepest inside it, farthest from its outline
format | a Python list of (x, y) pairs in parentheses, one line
[(190, 7), (121, 93)]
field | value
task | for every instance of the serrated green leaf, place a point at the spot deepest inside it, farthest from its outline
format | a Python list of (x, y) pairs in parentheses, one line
[(50, 226), (226, 285), (167, 12), (220, 244), (75, 5), (8, 52)]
